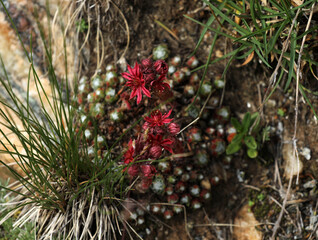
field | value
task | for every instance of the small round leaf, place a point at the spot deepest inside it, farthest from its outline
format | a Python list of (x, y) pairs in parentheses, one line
[(252, 153)]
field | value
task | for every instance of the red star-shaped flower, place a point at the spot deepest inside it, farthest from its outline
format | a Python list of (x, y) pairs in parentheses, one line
[(136, 82), (128, 157), (157, 119), (159, 85), (156, 140)]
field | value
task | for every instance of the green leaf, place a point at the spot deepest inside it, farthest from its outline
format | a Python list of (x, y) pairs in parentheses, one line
[(236, 124), (252, 153), (246, 122), (233, 148), (254, 117), (265, 134), (250, 142), (280, 112), (237, 138), (251, 203)]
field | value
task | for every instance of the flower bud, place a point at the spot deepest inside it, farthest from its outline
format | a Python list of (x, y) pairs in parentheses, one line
[(133, 171), (168, 214), (111, 78), (160, 52), (148, 170), (155, 208), (158, 185), (205, 194), (174, 128), (161, 67), (196, 204), (180, 187), (155, 152), (96, 82), (146, 64), (146, 183), (173, 198), (164, 167), (177, 209), (217, 147), (96, 110), (175, 61), (185, 199), (195, 190), (192, 62), (110, 67), (169, 190)]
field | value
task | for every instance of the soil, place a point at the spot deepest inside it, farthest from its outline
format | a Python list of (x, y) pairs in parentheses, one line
[(245, 88), (244, 180)]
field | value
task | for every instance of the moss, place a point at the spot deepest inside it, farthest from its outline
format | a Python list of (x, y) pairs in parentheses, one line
[(260, 205)]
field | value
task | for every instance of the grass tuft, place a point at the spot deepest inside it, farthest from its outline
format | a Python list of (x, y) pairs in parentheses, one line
[(273, 30), (65, 191)]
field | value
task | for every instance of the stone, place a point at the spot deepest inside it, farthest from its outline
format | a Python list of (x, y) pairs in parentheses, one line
[(292, 165), (245, 224)]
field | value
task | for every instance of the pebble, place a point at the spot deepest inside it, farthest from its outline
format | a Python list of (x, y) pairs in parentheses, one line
[(245, 220), (310, 184), (271, 103), (292, 165), (306, 152), (205, 183), (240, 175), (280, 128)]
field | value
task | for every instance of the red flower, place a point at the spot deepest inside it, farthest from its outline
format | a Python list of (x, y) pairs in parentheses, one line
[(156, 140), (157, 119), (128, 157), (136, 82), (161, 67), (159, 85)]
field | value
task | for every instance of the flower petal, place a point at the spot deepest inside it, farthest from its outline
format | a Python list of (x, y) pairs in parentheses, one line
[(139, 95), (146, 91), (129, 69), (133, 93)]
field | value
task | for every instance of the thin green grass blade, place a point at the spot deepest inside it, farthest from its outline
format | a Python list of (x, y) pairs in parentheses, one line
[(212, 29), (273, 40), (301, 88), (205, 68), (262, 58), (240, 29), (258, 32), (209, 22), (245, 55), (253, 14), (234, 52), (286, 7)]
